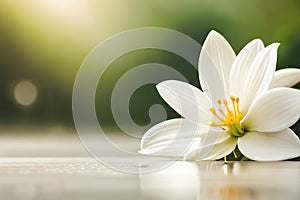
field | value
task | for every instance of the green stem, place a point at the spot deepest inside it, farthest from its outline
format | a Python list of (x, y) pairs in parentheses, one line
[(235, 156), (244, 158)]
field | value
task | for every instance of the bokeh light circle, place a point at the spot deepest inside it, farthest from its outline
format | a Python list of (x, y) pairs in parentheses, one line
[(25, 93)]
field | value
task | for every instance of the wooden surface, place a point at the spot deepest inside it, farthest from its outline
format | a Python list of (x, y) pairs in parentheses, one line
[(45, 167)]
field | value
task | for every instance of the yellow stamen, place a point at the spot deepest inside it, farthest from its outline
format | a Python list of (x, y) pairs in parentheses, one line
[(228, 118), (213, 111), (226, 105), (222, 112), (234, 105)]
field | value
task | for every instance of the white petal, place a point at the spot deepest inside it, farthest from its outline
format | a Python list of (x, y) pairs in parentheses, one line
[(241, 66), (274, 110), (286, 78), (187, 100), (216, 145), (215, 62), (171, 138), (274, 146), (260, 75)]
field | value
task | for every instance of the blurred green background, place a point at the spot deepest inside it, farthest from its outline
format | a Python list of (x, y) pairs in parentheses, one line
[(43, 43)]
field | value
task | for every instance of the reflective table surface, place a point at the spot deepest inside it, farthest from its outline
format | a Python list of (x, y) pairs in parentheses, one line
[(44, 167)]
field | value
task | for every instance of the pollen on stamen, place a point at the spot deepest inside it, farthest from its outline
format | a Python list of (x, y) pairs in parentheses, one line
[(228, 116), (234, 105), (238, 107)]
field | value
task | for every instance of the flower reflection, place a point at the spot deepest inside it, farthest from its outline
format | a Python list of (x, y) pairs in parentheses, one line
[(231, 193), (179, 181), (216, 180)]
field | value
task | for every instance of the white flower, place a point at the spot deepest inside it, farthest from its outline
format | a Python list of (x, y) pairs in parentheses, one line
[(244, 104)]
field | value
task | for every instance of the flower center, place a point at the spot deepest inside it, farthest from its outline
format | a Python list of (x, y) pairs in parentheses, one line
[(229, 118)]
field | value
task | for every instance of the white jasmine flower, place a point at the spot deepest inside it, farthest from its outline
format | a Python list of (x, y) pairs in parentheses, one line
[(244, 104)]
